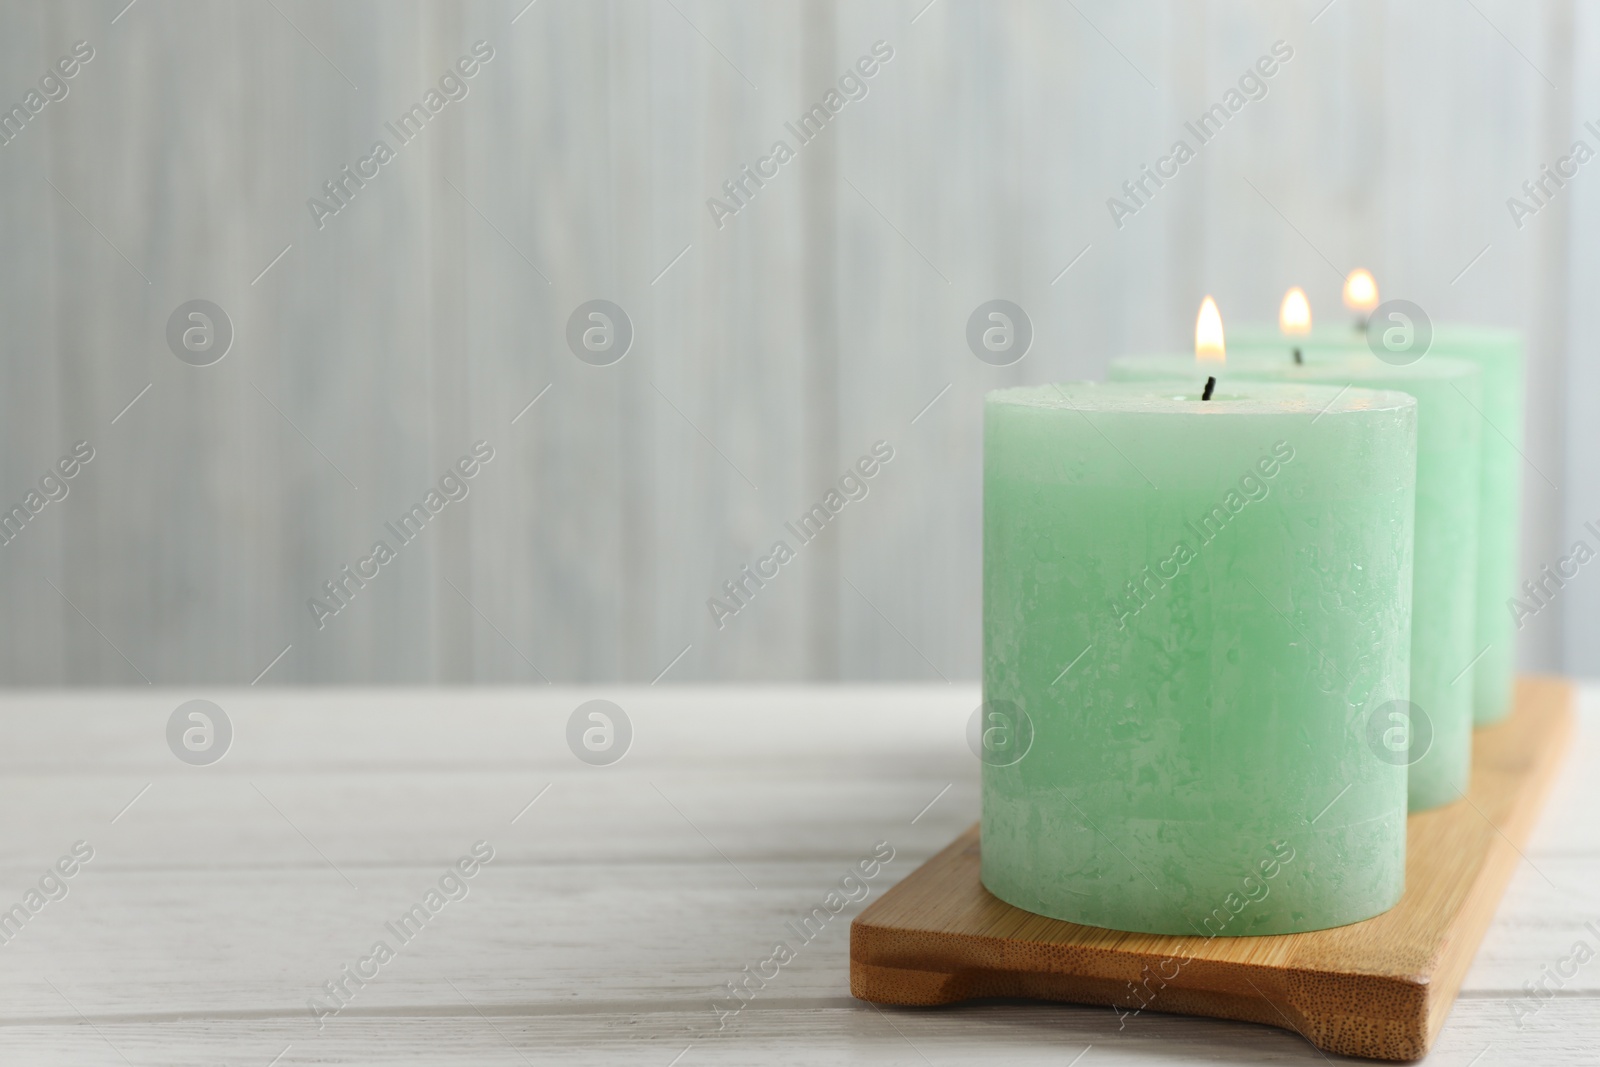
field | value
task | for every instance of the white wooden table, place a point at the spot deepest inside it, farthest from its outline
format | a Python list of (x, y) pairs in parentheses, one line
[(615, 908)]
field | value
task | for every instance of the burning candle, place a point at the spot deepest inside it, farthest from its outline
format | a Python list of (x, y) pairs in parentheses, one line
[(1188, 607), (1294, 318), (1499, 356), (1361, 295), (1437, 730)]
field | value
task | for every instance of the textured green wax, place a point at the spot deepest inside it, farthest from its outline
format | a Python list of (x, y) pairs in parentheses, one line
[(1444, 577), (1498, 354), (1195, 604)]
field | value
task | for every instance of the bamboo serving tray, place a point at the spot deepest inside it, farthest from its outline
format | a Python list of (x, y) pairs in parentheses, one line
[(1379, 988)]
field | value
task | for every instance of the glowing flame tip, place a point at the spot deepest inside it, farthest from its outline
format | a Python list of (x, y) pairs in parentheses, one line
[(1294, 315), (1360, 291), (1209, 346)]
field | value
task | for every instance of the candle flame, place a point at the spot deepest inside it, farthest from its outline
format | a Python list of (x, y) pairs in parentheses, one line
[(1294, 316), (1360, 291), (1208, 342)]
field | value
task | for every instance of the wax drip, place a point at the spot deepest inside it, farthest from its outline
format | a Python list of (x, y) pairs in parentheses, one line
[(1211, 383)]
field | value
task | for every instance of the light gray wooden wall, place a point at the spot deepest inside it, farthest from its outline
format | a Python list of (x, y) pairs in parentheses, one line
[(821, 318)]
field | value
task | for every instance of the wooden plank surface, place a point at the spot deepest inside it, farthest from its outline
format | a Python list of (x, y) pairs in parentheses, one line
[(616, 907), (1380, 988)]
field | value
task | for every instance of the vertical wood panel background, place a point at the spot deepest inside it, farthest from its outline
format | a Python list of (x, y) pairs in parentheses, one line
[(769, 353)]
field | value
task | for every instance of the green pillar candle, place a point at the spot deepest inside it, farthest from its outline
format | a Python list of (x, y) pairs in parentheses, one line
[(1190, 607), (1444, 581), (1498, 354)]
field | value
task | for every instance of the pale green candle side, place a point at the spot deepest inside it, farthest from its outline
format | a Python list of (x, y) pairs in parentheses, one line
[(1443, 621), (1198, 606), (1499, 356)]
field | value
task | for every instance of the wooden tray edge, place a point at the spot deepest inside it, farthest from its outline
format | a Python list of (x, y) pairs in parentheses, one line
[(1417, 1005)]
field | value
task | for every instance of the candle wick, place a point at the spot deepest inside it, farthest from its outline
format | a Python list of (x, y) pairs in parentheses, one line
[(1299, 360), (1211, 383)]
